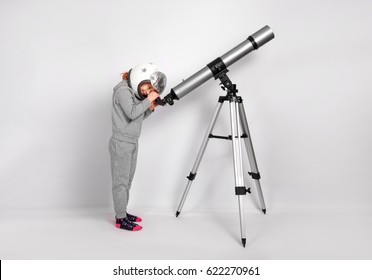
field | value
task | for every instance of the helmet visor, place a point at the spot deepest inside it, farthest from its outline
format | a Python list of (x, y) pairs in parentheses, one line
[(158, 81)]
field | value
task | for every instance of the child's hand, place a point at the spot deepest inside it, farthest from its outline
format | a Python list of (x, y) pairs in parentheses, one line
[(153, 105), (153, 95)]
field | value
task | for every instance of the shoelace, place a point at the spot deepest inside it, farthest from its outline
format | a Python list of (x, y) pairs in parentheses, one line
[(126, 223)]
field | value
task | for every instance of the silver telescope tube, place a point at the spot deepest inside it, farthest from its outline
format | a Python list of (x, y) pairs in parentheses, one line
[(212, 69)]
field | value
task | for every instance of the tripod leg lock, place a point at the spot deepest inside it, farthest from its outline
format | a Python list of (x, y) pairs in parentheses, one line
[(255, 176), (242, 190), (191, 176)]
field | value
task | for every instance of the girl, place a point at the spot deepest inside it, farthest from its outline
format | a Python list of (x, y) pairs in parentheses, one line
[(134, 99)]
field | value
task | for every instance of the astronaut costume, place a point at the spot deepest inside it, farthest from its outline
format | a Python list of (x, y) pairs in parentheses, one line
[(129, 109)]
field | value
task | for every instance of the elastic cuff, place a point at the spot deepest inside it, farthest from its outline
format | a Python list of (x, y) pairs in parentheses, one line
[(121, 215)]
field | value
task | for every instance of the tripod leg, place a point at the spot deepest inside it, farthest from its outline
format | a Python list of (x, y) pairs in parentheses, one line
[(251, 156), (240, 189), (192, 174)]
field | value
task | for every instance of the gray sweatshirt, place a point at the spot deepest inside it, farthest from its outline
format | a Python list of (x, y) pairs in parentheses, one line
[(128, 112)]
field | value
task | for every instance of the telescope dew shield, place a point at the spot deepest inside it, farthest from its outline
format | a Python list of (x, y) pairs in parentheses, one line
[(253, 42)]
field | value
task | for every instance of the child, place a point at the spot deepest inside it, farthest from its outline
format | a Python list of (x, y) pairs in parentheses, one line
[(134, 99)]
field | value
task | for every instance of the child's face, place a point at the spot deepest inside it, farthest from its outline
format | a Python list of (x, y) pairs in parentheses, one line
[(146, 88)]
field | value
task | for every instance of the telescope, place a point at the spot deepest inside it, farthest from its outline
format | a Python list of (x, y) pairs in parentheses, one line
[(238, 121), (219, 65)]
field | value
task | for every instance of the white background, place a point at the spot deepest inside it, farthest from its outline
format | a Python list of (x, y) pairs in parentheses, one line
[(307, 95), (104, 269)]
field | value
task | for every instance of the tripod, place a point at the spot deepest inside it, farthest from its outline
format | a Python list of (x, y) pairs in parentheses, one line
[(238, 122)]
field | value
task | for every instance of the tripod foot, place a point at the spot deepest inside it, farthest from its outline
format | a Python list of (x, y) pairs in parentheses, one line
[(264, 211), (177, 213), (243, 242)]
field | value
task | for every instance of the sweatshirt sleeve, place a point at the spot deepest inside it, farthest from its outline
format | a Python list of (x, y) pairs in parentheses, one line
[(125, 99), (147, 113)]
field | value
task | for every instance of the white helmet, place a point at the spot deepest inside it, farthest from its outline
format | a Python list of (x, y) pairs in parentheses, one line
[(146, 73)]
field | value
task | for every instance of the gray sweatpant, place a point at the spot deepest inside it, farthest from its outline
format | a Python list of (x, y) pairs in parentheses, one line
[(123, 165)]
